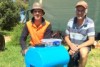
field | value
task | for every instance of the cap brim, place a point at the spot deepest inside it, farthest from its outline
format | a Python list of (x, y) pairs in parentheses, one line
[(80, 5), (34, 9)]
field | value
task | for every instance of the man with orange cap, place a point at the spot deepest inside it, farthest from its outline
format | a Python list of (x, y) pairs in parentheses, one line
[(80, 34), (38, 28)]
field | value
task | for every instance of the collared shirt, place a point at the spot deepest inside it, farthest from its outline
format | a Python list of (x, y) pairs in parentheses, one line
[(25, 33), (80, 34)]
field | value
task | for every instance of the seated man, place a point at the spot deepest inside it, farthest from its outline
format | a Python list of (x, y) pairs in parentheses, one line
[(38, 28), (80, 33)]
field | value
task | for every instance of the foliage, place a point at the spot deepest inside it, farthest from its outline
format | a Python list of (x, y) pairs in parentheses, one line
[(22, 4), (16, 33), (11, 56), (9, 14)]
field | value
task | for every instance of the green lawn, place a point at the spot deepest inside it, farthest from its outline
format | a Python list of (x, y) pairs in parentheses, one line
[(94, 58), (12, 57)]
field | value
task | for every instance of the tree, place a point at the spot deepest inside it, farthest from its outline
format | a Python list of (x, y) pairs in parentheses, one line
[(23, 4), (9, 14)]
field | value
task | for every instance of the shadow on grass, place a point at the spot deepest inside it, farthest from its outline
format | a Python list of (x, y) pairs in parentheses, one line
[(3, 50), (4, 33)]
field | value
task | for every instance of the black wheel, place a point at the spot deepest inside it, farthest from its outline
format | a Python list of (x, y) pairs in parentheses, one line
[(2, 42)]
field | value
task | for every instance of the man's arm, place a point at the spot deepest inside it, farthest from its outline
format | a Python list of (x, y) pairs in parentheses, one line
[(48, 32), (87, 43), (70, 44), (23, 38)]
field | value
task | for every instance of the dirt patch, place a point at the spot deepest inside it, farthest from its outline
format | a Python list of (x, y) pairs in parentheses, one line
[(7, 38)]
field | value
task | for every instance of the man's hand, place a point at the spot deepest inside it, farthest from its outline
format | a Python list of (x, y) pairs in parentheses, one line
[(74, 47), (24, 52), (71, 52)]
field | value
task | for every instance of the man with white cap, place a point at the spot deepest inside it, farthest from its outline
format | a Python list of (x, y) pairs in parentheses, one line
[(80, 34), (38, 28)]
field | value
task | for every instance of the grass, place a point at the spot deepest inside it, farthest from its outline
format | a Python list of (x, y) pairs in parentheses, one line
[(94, 58), (12, 57)]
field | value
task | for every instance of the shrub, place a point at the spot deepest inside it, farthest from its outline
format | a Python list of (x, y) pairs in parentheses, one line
[(15, 34), (9, 14)]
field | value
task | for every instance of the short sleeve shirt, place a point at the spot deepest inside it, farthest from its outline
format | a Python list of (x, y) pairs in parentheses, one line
[(80, 34)]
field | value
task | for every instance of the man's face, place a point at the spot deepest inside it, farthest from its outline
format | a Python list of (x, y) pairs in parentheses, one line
[(80, 12), (37, 13)]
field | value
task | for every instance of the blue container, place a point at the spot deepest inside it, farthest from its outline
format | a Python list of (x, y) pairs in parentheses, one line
[(56, 43), (47, 56)]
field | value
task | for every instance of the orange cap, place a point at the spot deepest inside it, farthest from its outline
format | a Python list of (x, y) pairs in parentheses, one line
[(82, 3)]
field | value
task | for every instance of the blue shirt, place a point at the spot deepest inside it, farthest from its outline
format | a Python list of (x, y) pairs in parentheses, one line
[(80, 34)]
